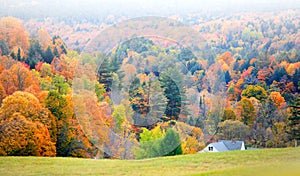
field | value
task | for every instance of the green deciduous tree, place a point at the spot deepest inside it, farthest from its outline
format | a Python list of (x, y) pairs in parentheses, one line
[(250, 35), (156, 143), (255, 91), (60, 84), (171, 144), (119, 116), (149, 143), (55, 102)]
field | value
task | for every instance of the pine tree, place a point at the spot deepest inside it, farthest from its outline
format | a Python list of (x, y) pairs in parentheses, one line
[(63, 49), (157, 100), (12, 54), (48, 56), (19, 54), (35, 53), (105, 73), (3, 48), (55, 52), (227, 77), (172, 82), (294, 121)]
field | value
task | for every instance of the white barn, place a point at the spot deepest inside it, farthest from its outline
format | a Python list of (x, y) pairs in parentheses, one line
[(224, 145)]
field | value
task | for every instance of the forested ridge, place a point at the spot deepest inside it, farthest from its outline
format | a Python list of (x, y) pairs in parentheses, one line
[(148, 96)]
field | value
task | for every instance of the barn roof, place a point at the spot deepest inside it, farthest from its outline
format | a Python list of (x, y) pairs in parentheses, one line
[(225, 145), (219, 146)]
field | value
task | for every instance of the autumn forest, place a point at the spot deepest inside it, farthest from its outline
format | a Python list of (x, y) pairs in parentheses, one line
[(149, 96)]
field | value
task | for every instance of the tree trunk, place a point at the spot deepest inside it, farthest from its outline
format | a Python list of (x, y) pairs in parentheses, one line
[(296, 143)]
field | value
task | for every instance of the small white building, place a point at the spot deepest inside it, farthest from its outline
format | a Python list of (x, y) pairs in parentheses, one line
[(224, 145)]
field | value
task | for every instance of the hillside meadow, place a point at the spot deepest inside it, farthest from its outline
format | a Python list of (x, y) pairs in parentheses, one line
[(257, 162)]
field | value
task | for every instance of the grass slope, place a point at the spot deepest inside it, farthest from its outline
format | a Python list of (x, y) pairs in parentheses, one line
[(258, 162)]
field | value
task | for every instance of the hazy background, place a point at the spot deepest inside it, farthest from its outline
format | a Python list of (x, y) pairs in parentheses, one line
[(100, 9)]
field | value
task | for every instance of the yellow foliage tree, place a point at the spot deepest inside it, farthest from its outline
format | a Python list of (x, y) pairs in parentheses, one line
[(2, 93), (190, 145), (192, 137)]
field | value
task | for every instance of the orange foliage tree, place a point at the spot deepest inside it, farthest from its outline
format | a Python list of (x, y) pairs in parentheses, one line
[(226, 60), (28, 106), (13, 33), (22, 137), (277, 99), (94, 118), (17, 77)]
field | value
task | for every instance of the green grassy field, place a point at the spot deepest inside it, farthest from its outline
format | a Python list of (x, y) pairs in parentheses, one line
[(258, 162)]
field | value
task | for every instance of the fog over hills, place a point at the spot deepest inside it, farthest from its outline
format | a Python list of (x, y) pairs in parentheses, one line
[(100, 9)]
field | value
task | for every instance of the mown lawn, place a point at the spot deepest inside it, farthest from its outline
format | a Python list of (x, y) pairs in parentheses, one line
[(258, 162)]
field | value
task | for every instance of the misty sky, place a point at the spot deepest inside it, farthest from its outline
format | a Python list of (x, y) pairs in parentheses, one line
[(45, 8)]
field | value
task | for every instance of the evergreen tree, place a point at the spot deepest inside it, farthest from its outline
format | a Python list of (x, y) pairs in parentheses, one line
[(157, 101), (277, 75), (12, 54), (115, 65), (149, 103), (108, 67), (236, 65), (172, 82), (104, 73), (62, 144), (186, 55), (63, 48), (294, 121), (227, 77), (35, 53), (55, 52), (19, 54), (296, 79), (193, 66), (48, 55), (3, 48)]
